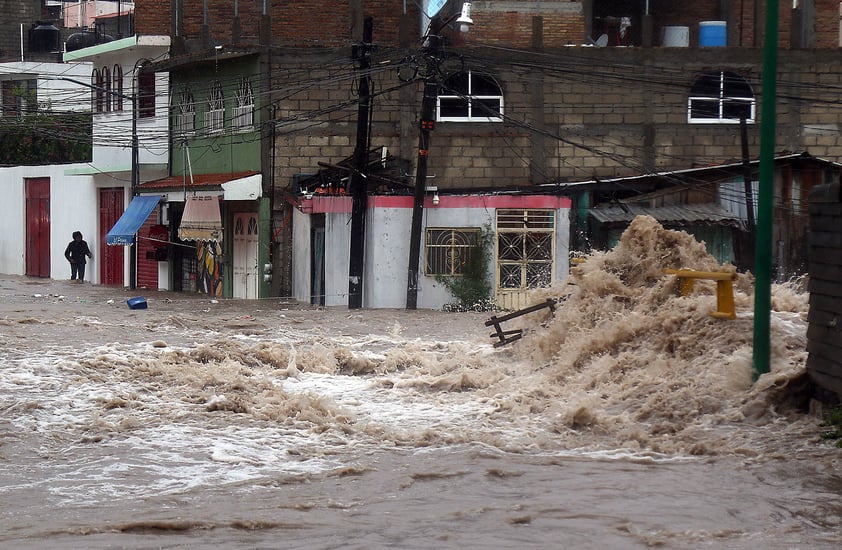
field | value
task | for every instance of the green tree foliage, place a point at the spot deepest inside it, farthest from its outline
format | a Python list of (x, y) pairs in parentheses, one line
[(45, 139)]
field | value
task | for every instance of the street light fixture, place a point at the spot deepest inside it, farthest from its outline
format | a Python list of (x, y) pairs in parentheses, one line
[(465, 20)]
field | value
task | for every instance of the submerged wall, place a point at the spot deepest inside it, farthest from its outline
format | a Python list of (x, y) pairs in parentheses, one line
[(824, 335)]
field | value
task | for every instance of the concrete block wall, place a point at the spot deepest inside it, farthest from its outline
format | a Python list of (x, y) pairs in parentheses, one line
[(606, 112), (824, 334), (13, 14)]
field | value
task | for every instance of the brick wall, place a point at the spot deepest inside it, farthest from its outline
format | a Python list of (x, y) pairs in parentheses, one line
[(328, 22), (153, 17)]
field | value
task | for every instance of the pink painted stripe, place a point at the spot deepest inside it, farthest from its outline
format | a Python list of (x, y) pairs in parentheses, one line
[(334, 205), (474, 201)]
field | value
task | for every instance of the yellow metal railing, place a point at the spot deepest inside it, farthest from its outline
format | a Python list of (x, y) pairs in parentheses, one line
[(725, 308)]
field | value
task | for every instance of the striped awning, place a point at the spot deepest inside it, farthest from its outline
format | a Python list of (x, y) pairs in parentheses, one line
[(201, 220)]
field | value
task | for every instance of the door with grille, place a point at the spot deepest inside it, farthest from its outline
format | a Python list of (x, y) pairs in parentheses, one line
[(525, 254)]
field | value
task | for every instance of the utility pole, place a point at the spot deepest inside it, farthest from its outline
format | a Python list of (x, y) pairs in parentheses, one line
[(763, 250), (135, 168), (357, 184), (431, 52), (135, 182)]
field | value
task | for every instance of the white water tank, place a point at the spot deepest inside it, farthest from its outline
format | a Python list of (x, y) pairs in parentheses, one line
[(675, 37)]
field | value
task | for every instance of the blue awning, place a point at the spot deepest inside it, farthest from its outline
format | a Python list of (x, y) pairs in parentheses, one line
[(124, 230)]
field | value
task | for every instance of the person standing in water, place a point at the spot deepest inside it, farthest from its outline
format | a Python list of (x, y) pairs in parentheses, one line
[(76, 252)]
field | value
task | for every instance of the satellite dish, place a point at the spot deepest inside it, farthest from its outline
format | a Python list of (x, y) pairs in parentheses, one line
[(602, 41)]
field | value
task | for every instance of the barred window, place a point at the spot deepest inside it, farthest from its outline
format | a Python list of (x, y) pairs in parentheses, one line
[(449, 250), (184, 123), (525, 245), (243, 119), (215, 115)]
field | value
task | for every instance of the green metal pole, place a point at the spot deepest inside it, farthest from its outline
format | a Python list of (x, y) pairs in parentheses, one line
[(763, 247)]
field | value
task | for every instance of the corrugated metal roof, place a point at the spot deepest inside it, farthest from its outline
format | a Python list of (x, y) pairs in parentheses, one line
[(686, 171), (712, 214), (197, 180)]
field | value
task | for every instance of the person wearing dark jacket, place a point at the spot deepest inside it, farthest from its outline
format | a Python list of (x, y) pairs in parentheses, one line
[(75, 253)]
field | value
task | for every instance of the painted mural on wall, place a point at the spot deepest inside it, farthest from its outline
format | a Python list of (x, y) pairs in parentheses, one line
[(209, 277)]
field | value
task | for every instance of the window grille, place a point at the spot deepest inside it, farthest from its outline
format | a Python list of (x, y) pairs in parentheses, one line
[(449, 250), (243, 119), (525, 244), (215, 115), (185, 114)]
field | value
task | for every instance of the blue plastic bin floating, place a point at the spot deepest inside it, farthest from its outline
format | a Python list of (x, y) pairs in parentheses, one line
[(138, 302), (713, 33)]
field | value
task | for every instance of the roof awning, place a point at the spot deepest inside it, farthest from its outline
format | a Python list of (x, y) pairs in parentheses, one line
[(242, 189), (124, 230), (201, 220)]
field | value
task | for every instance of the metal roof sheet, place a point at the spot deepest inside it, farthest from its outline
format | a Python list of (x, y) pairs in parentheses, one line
[(711, 214)]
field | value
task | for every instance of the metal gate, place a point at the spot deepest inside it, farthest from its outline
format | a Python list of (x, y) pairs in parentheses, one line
[(525, 254)]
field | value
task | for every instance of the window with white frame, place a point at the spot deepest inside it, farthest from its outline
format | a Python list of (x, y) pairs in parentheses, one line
[(243, 117), (184, 123), (469, 97), (215, 115), (720, 97), (448, 250)]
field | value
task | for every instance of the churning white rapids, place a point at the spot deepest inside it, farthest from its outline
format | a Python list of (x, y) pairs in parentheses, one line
[(627, 418)]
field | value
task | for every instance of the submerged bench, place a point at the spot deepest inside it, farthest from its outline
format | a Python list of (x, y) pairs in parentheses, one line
[(725, 308)]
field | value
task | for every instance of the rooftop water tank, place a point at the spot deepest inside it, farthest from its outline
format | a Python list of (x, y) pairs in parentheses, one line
[(44, 37)]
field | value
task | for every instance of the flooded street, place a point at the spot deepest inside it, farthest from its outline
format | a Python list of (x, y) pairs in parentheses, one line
[(628, 419)]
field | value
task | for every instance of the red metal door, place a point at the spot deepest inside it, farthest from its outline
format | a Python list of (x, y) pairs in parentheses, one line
[(38, 227), (147, 265), (111, 270)]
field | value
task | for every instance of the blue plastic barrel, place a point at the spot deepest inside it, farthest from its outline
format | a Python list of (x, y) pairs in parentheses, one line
[(713, 33)]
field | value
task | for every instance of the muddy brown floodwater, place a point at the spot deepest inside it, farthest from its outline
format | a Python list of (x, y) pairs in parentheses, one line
[(629, 418)]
